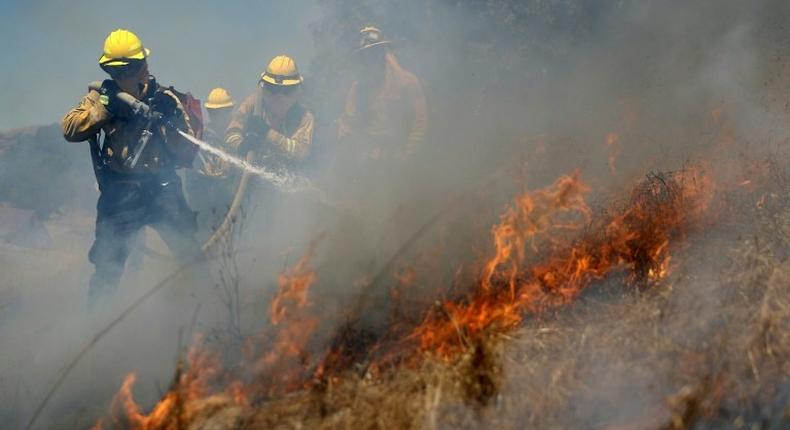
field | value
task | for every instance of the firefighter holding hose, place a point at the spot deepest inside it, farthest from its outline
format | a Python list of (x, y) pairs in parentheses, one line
[(272, 122), (271, 128), (136, 164), (211, 186), (219, 107)]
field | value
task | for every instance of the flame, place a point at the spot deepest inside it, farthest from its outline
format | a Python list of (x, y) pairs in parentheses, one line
[(135, 419), (547, 247), (636, 239), (203, 368), (282, 365), (293, 287), (529, 216), (288, 313)]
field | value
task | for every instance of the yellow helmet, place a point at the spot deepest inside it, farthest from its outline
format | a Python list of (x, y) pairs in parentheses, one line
[(218, 98), (282, 71), (369, 37), (120, 46)]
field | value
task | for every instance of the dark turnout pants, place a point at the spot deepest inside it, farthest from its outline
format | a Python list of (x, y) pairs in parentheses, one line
[(126, 205)]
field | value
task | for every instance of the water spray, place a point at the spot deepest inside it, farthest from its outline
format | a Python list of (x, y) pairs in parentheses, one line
[(284, 181)]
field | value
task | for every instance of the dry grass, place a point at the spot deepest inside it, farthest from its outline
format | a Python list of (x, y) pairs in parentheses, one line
[(709, 347)]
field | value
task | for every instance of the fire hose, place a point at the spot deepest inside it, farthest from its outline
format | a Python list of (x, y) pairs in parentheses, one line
[(230, 216)]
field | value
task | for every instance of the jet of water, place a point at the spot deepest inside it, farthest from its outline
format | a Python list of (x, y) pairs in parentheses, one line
[(285, 181)]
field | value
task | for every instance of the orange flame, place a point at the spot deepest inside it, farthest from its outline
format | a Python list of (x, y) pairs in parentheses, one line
[(203, 368), (529, 216), (282, 366), (547, 247), (636, 238), (158, 417), (293, 287)]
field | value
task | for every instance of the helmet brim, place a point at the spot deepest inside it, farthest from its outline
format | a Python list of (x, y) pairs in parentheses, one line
[(372, 45), (115, 62), (282, 82), (218, 105)]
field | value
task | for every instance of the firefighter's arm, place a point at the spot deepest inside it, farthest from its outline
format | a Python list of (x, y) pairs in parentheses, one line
[(296, 146), (85, 120), (234, 136), (417, 100), (183, 150)]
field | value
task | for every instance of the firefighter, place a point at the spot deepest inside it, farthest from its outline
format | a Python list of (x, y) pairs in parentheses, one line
[(385, 112), (210, 188), (136, 164), (382, 126), (272, 122), (219, 107)]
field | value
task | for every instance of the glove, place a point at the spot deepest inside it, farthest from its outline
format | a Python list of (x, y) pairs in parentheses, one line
[(109, 99), (165, 105), (254, 134), (257, 126)]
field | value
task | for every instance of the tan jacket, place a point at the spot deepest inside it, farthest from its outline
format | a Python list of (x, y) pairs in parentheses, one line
[(290, 137), (164, 148), (390, 114)]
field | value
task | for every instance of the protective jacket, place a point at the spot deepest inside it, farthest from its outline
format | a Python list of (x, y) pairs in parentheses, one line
[(166, 149), (387, 116), (290, 137)]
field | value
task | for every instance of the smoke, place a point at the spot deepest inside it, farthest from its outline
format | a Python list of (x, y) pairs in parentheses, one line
[(518, 93), (52, 50)]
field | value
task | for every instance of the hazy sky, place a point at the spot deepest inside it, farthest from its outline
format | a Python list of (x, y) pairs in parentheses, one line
[(50, 48)]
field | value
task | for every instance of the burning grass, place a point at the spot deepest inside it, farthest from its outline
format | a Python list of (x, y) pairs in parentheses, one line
[(545, 336)]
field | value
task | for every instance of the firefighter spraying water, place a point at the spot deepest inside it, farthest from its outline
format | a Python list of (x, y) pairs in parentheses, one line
[(135, 167), (149, 132), (283, 180)]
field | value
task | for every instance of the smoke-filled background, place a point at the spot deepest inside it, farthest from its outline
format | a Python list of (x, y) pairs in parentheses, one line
[(518, 93)]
